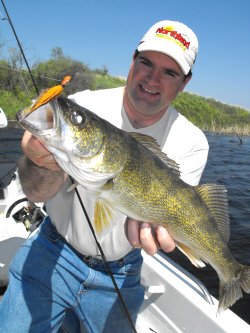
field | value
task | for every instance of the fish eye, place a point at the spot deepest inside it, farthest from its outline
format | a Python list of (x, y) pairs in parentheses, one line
[(77, 118)]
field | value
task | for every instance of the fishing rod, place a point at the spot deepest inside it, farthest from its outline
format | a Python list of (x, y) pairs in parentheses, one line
[(20, 46), (124, 306)]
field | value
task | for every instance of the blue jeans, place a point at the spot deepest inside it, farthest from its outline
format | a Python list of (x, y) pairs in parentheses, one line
[(50, 283)]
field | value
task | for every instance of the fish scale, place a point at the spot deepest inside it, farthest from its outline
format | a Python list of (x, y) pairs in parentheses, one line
[(127, 172)]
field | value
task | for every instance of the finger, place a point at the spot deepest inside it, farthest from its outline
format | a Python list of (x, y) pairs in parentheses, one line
[(37, 153), (166, 242), (147, 239), (31, 145), (132, 229), (48, 162)]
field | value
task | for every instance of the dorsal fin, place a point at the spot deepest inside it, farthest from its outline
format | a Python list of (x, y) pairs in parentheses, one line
[(152, 145), (215, 198)]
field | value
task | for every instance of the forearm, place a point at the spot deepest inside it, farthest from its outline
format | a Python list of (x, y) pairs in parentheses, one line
[(39, 184)]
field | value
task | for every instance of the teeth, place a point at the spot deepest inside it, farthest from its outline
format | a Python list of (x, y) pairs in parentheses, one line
[(149, 91)]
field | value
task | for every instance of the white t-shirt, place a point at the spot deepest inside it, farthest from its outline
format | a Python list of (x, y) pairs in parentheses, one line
[(177, 137)]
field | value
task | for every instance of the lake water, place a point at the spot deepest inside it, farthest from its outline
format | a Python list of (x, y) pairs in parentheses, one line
[(228, 164)]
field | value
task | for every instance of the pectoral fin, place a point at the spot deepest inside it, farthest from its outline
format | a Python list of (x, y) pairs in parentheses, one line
[(195, 260), (103, 215)]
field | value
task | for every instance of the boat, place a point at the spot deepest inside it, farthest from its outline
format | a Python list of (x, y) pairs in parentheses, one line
[(18, 218), (175, 301)]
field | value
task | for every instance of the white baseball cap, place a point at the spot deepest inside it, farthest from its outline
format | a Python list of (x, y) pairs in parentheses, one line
[(174, 39)]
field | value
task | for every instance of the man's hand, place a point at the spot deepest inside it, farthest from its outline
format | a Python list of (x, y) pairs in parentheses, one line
[(149, 238), (37, 153), (39, 174)]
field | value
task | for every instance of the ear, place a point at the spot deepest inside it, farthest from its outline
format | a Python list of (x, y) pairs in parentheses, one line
[(133, 60), (135, 54), (187, 78)]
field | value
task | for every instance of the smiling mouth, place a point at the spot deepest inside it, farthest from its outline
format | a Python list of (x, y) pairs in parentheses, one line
[(149, 91)]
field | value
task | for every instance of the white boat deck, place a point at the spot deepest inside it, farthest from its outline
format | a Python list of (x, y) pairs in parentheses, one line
[(175, 303)]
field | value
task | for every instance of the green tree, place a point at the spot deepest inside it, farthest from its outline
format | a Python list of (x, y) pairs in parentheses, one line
[(56, 53), (53, 71)]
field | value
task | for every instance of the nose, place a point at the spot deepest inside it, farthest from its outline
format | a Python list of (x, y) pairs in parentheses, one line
[(154, 76)]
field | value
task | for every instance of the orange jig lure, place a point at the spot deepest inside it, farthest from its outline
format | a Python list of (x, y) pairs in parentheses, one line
[(49, 94)]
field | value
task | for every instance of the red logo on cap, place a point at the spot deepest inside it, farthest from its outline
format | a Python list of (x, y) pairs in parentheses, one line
[(173, 33)]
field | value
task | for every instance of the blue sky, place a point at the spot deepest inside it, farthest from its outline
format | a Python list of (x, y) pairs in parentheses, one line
[(105, 33)]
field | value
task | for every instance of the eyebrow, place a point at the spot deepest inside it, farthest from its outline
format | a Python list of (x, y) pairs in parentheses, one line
[(170, 70)]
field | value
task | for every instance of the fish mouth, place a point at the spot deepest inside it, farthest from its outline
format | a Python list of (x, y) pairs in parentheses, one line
[(42, 120)]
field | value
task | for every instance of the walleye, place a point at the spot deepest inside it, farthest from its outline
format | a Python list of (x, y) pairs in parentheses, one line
[(128, 173)]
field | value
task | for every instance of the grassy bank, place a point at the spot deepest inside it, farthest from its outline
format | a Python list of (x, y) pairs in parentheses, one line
[(206, 113), (213, 116)]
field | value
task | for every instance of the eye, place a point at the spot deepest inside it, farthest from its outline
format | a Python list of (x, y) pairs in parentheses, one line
[(146, 63), (77, 118), (169, 73)]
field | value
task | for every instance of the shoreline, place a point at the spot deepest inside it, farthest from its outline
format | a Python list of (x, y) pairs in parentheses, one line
[(230, 131)]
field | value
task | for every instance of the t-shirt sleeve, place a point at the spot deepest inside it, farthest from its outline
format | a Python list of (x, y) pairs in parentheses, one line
[(193, 163), (187, 145)]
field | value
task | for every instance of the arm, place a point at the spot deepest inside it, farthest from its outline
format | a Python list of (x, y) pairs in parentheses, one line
[(39, 174)]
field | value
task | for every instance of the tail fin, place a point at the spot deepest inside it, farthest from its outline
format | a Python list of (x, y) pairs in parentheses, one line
[(231, 291), (245, 279)]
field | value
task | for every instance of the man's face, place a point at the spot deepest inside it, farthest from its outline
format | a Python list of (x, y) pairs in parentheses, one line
[(153, 82)]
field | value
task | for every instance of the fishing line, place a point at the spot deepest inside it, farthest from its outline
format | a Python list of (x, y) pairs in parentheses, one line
[(78, 195), (104, 259), (24, 72)]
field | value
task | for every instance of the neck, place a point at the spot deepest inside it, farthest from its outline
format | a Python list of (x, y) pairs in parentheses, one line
[(137, 119)]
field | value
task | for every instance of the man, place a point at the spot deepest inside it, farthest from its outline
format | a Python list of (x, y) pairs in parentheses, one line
[(59, 271)]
